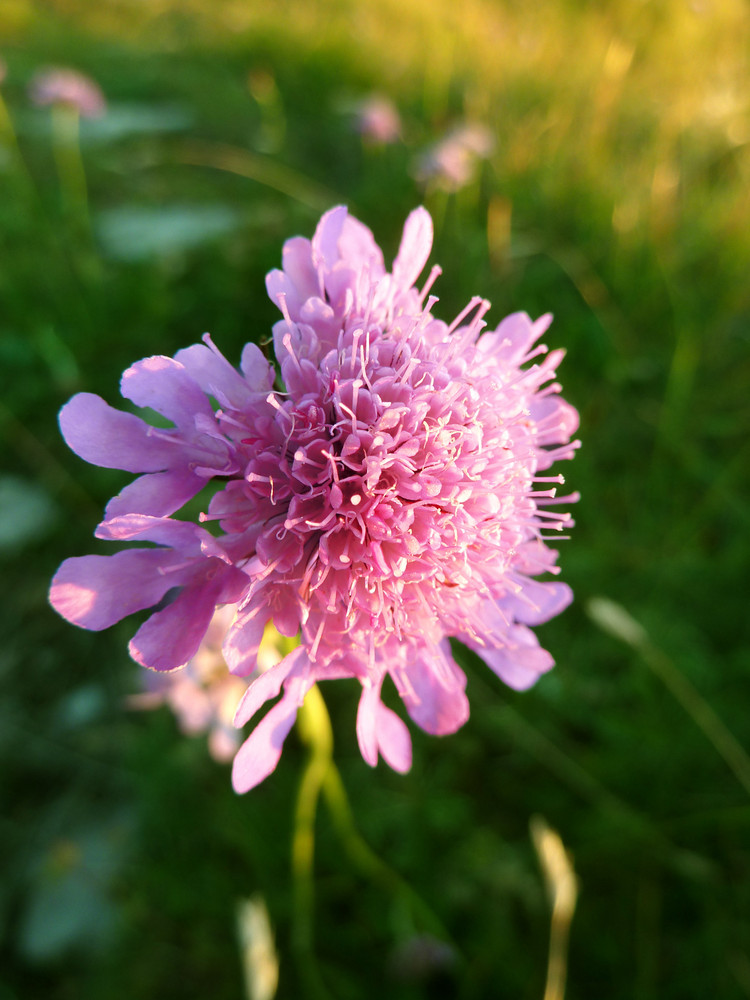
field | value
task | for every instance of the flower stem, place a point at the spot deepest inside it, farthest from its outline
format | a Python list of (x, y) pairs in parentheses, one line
[(366, 860), (315, 730), (322, 775), (70, 169)]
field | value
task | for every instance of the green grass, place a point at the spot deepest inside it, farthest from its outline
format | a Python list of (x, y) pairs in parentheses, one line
[(622, 169)]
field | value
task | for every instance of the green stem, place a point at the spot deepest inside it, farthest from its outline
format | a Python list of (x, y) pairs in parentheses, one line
[(321, 775), (367, 861), (70, 170), (315, 730)]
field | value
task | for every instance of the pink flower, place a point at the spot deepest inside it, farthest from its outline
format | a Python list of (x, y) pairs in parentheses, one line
[(392, 496), (452, 163), (377, 120), (204, 695), (68, 86)]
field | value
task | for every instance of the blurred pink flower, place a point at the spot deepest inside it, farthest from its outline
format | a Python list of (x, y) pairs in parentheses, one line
[(391, 497), (204, 695), (452, 162), (377, 120), (68, 86)]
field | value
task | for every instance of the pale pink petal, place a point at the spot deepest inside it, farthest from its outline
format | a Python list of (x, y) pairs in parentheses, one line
[(358, 249), (416, 244), (170, 637), (162, 530), (97, 591), (268, 685), (432, 688), (537, 602), (296, 258), (157, 494), (367, 721), (259, 373), (215, 376), (260, 753), (243, 639), (520, 662), (116, 440), (281, 289), (394, 741), (164, 385), (325, 242)]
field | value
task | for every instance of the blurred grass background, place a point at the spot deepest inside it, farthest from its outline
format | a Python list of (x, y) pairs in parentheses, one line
[(617, 196)]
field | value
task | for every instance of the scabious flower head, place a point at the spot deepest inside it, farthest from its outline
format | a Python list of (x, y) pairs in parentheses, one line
[(452, 163), (377, 120), (390, 497), (69, 87)]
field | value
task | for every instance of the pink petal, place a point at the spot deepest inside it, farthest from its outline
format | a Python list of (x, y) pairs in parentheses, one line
[(243, 639), (357, 247), (296, 258), (113, 439), (432, 688), (164, 385), (416, 244), (170, 637), (280, 287), (261, 751), (394, 741), (537, 602), (515, 335), (157, 494), (520, 662), (268, 685), (162, 530), (259, 373), (367, 716), (325, 242), (216, 376), (97, 591)]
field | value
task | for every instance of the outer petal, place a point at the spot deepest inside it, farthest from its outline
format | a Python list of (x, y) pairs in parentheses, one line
[(172, 636), (520, 662), (367, 723), (415, 248), (97, 591), (536, 602), (259, 373), (325, 242), (432, 688), (217, 377), (164, 385), (113, 439), (268, 685), (157, 494), (514, 336), (183, 535), (358, 250), (243, 639), (394, 741), (260, 753)]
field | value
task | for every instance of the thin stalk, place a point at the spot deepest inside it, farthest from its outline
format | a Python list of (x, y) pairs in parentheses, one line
[(315, 730), (367, 861), (66, 147)]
